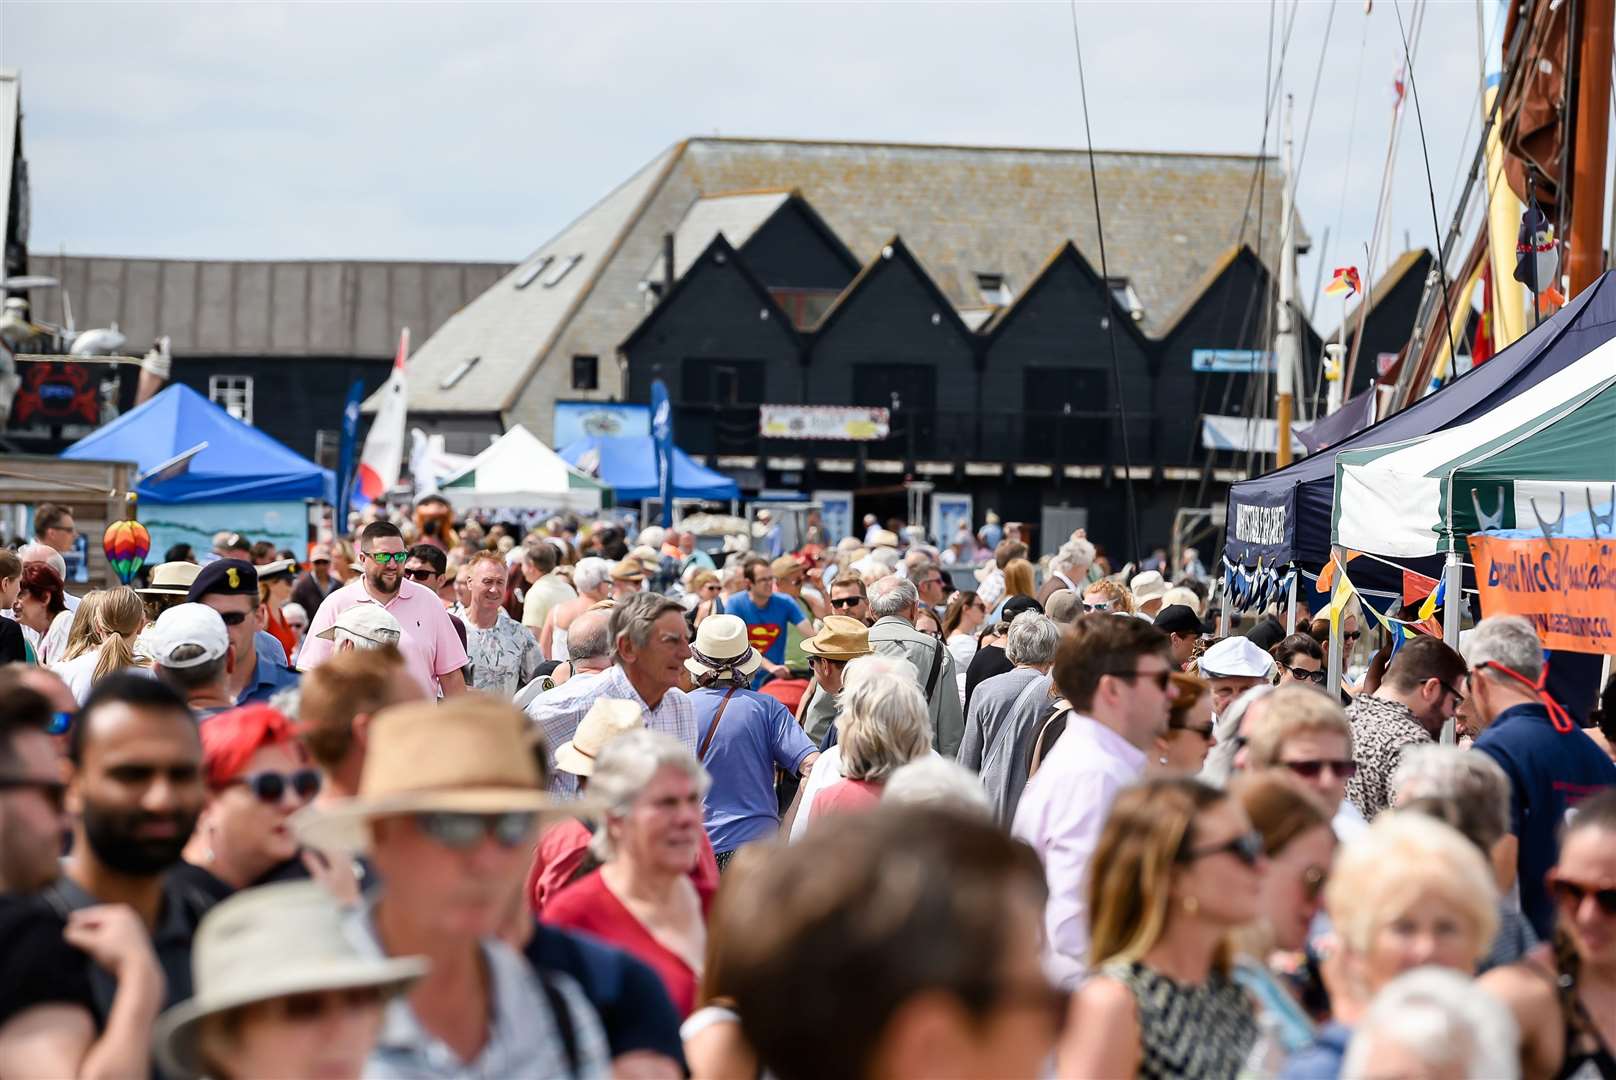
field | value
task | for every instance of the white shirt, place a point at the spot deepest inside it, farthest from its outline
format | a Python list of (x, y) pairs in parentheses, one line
[(1060, 816), (54, 643)]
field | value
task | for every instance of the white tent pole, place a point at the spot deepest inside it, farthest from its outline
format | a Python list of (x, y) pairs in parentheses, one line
[(1223, 610), (1453, 578), (1290, 612), (1334, 679)]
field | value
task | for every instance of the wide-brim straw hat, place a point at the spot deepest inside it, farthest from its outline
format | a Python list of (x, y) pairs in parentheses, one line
[(265, 943), (606, 720), (629, 569), (469, 755), (171, 579), (839, 638), (721, 641)]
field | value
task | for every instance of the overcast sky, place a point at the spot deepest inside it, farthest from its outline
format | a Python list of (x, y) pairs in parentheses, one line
[(463, 132)]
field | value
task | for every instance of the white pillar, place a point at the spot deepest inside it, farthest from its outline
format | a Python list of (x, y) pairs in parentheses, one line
[(1453, 596), (1290, 611)]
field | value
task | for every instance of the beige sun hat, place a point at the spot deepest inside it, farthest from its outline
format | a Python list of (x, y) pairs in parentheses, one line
[(471, 754), (629, 569), (265, 943), (839, 638), (171, 579), (721, 642), (883, 538), (606, 720)]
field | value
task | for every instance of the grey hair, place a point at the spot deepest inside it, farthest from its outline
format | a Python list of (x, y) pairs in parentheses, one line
[(587, 637), (1077, 552), (288, 702), (46, 554), (1220, 761), (1436, 1015), (884, 724), (937, 782), (591, 573), (1507, 639), (892, 596), (875, 665), (1473, 783), (625, 766), (634, 616), (1033, 638), (293, 608)]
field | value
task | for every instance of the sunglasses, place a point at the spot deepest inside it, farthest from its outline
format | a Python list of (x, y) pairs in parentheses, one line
[(420, 574), (463, 831), (60, 723), (233, 618), (1302, 675), (1352, 635), (386, 558), (271, 787), (1311, 770), (1102, 606), (1203, 732), (54, 790), (847, 601), (1571, 894), (1160, 678), (1247, 847)]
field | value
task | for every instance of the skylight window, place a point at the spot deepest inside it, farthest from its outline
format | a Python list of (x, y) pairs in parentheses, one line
[(448, 381), (532, 270), (562, 270), (994, 288), (1123, 292)]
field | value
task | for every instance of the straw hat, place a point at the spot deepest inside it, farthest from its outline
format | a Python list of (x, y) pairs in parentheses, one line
[(883, 538), (265, 943), (628, 569), (606, 720), (839, 638), (469, 755), (171, 579), (721, 642), (786, 567)]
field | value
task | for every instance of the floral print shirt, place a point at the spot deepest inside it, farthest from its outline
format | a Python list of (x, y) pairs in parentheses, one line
[(504, 658)]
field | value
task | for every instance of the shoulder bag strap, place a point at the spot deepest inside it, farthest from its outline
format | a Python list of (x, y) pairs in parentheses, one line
[(563, 1019), (1038, 747), (936, 667), (707, 740)]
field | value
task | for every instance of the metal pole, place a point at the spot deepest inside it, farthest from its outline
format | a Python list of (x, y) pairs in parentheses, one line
[(1453, 578), (1223, 610), (1290, 609), (1285, 336), (1589, 146)]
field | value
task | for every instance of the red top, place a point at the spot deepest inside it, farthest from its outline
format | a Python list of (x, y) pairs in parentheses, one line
[(588, 905), (562, 849), (280, 630), (787, 692), (847, 795)]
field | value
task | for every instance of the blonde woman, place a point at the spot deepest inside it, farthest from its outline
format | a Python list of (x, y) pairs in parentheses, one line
[(1406, 893), (83, 631), (1177, 869), (116, 619)]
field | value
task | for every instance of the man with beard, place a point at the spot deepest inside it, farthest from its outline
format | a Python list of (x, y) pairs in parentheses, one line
[(431, 648)]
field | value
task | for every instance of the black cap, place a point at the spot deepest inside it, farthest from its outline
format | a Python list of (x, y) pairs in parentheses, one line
[(1268, 632), (1017, 604), (225, 577), (1179, 619)]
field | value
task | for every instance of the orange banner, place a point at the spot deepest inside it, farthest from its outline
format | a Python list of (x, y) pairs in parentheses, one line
[(1567, 588)]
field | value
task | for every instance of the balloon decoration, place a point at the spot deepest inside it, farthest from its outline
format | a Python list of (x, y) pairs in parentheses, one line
[(127, 543)]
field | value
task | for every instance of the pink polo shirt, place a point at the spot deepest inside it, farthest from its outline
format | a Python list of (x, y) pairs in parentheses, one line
[(430, 645)]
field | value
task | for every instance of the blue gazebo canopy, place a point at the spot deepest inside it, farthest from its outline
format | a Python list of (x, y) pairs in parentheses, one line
[(627, 464)]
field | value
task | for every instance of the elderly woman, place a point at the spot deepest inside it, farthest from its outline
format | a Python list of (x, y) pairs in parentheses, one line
[(642, 899), (1301, 731), (1406, 893), (258, 775), (262, 1009), (884, 725), (1181, 750), (1470, 792), (1177, 869), (1564, 995), (1432, 1022), (41, 608)]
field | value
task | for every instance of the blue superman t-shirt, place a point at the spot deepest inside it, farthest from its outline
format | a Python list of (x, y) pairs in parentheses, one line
[(766, 626)]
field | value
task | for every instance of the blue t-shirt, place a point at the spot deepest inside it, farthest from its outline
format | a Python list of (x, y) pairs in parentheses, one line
[(756, 733), (1549, 771), (766, 626)]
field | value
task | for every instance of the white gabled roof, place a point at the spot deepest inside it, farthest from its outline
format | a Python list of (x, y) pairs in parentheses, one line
[(736, 216)]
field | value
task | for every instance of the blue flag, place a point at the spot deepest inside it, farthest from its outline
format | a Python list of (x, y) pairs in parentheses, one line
[(662, 437), (345, 452)]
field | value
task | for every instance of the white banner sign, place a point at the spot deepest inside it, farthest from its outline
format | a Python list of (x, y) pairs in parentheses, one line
[(856, 423)]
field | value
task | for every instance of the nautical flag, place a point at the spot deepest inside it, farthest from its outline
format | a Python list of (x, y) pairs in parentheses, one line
[(662, 438), (345, 450), (1399, 86), (1346, 280), (383, 455), (1481, 350)]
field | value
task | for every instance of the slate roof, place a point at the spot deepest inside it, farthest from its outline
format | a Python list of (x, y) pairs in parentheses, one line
[(961, 209), (735, 217)]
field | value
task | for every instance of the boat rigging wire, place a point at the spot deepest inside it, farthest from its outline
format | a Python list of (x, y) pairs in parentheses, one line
[(1108, 305)]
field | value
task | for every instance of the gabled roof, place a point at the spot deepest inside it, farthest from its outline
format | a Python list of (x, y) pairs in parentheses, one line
[(1067, 254), (720, 251), (734, 216), (962, 209), (894, 252)]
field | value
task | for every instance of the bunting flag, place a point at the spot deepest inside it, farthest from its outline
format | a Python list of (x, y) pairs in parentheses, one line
[(1434, 601), (1345, 280), (1417, 586), (1340, 596)]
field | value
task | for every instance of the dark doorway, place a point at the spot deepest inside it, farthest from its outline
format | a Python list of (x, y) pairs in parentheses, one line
[(910, 391), (718, 411), (1067, 415)]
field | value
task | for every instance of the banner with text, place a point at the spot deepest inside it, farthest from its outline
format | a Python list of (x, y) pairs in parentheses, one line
[(854, 424), (1566, 587)]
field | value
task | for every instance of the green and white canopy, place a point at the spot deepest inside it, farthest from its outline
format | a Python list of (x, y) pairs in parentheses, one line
[(518, 471), (1424, 496)]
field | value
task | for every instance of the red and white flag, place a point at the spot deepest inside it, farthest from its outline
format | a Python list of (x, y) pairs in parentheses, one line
[(383, 455)]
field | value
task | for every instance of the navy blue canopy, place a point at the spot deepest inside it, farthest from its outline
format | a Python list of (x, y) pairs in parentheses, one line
[(1284, 516), (627, 464), (240, 464)]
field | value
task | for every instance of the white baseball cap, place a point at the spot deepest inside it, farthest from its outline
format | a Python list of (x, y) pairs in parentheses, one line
[(370, 622), (1236, 658), (188, 624)]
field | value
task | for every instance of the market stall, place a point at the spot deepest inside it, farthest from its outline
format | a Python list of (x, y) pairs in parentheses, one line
[(517, 471)]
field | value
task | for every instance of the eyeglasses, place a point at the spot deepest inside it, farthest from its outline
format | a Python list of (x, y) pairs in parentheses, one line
[(1247, 847), (462, 831), (1571, 894), (420, 574), (1303, 675), (384, 558), (1102, 606), (1311, 770), (271, 787), (1160, 678), (1458, 698), (60, 723), (1203, 732), (53, 790), (847, 601)]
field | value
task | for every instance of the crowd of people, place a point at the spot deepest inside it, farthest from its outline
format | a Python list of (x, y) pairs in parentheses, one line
[(449, 797)]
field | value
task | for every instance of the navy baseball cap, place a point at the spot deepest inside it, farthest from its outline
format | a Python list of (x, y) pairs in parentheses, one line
[(225, 577)]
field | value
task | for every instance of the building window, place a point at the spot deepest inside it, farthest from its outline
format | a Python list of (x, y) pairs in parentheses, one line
[(448, 381), (533, 269), (234, 394), (562, 270), (1123, 293), (994, 288), (586, 372)]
